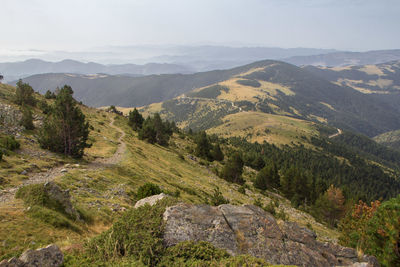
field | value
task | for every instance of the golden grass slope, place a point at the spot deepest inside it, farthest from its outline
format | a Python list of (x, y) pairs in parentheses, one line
[(107, 191), (238, 92), (260, 127), (379, 83)]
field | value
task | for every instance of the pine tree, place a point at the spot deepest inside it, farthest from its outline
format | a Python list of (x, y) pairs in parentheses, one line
[(233, 169), (27, 119), (267, 177), (49, 95), (258, 163), (154, 130), (217, 153), (330, 206), (135, 120), (24, 94), (262, 179), (65, 129), (203, 146)]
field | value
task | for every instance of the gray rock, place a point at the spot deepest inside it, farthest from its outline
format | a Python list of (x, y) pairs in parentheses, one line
[(61, 196), (150, 200), (9, 119), (250, 230), (198, 223), (50, 256), (24, 172)]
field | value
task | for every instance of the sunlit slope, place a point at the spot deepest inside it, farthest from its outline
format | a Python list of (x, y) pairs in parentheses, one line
[(260, 127), (391, 139), (368, 79), (104, 189), (283, 89)]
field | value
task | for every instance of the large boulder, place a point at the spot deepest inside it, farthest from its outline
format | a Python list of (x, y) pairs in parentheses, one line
[(50, 256), (250, 230)]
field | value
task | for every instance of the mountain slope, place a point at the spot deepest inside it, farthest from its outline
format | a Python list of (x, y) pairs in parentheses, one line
[(280, 88), (381, 78), (104, 90), (103, 188), (391, 139), (346, 58)]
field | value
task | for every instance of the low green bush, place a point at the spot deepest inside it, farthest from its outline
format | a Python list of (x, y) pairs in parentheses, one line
[(136, 235), (8, 142), (190, 253), (217, 198), (148, 189)]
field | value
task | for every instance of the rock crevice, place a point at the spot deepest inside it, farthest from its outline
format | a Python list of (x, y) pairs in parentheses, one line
[(250, 230)]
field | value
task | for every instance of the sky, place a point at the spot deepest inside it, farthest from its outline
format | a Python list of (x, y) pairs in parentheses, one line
[(75, 25)]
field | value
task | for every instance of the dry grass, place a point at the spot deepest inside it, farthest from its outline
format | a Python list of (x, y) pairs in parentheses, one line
[(260, 127), (238, 92), (94, 189), (372, 70)]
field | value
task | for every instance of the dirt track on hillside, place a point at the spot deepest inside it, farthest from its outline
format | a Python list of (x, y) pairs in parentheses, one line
[(7, 195)]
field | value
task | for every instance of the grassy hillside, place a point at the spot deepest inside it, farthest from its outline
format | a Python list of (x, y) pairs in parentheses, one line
[(281, 89), (382, 78), (102, 189), (260, 127), (103, 90), (391, 139)]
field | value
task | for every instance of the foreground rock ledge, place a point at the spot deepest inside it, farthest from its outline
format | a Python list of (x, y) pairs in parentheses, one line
[(50, 256), (250, 230)]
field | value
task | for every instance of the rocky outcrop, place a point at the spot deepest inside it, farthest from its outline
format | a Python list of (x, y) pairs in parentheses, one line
[(151, 200), (63, 197), (9, 119), (250, 230), (50, 256)]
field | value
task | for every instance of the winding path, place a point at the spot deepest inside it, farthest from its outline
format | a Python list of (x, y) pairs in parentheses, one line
[(7, 195), (339, 132)]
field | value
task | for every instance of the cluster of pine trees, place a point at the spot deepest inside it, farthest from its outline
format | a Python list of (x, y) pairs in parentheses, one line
[(24, 96), (65, 129), (152, 129)]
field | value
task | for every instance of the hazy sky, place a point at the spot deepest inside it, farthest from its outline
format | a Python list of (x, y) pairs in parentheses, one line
[(82, 24)]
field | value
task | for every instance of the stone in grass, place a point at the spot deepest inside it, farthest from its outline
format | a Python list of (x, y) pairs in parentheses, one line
[(151, 200), (50, 256)]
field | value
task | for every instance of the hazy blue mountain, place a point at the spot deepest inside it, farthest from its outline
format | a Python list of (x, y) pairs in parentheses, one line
[(147, 59), (15, 70), (346, 58)]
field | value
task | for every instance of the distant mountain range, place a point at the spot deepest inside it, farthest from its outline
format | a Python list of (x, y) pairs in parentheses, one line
[(102, 89), (149, 60), (279, 88), (184, 60), (267, 86), (346, 58), (15, 70)]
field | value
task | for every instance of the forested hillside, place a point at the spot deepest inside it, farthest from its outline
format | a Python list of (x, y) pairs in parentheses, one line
[(283, 89)]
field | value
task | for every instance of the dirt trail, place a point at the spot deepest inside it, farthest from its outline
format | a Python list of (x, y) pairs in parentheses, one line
[(36, 178), (339, 132)]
